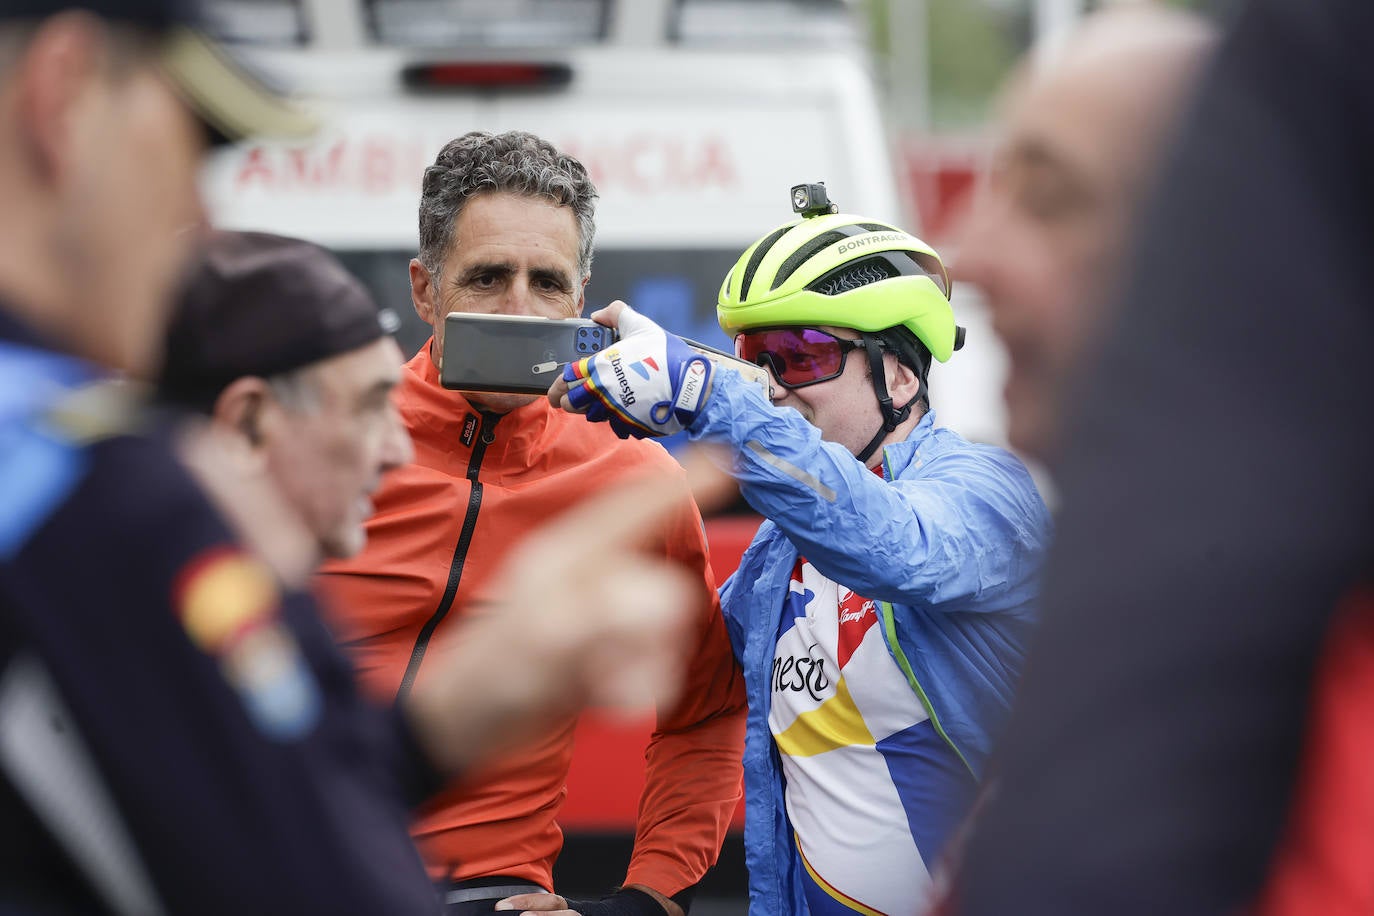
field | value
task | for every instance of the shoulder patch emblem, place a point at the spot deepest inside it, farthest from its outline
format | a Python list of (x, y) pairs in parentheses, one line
[(230, 606)]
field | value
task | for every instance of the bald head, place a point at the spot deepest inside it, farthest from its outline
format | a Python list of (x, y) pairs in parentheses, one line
[(1108, 95), (1083, 126)]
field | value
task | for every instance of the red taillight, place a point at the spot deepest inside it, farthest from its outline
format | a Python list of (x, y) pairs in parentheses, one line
[(487, 75)]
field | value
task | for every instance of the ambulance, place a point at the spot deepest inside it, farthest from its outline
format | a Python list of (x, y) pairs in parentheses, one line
[(694, 118)]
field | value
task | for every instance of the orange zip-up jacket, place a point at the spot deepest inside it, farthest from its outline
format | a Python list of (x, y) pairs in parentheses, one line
[(442, 527)]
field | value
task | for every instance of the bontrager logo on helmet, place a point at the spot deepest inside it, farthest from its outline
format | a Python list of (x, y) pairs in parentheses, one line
[(870, 240)]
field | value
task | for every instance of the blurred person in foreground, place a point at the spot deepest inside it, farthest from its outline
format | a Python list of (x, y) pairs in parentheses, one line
[(1194, 728), (283, 348), (177, 733), (882, 610), (1082, 129), (507, 227)]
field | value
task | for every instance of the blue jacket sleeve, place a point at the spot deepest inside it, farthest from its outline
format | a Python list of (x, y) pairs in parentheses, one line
[(733, 625), (958, 523)]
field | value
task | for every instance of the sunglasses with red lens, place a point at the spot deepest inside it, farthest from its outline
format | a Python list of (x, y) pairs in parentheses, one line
[(797, 356)]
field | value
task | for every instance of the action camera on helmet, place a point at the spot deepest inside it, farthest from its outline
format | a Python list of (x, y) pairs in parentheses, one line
[(812, 200)]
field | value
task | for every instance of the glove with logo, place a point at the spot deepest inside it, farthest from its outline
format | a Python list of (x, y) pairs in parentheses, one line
[(649, 383)]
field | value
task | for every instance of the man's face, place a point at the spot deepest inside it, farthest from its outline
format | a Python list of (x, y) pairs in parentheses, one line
[(329, 453), (844, 409), (511, 255), (1047, 236), (129, 215), (1043, 242)]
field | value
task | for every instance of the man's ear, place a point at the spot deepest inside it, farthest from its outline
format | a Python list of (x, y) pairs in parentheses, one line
[(423, 293), (61, 64), (239, 408), (903, 383)]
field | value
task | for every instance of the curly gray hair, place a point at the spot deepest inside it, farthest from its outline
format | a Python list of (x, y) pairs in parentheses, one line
[(514, 162)]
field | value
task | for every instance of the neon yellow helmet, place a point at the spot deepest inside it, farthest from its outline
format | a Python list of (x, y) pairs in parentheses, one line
[(829, 268), (842, 270)]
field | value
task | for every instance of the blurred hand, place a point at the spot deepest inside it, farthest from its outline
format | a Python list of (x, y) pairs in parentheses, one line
[(583, 617)]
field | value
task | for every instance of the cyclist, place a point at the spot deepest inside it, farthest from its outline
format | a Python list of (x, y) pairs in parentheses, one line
[(882, 610)]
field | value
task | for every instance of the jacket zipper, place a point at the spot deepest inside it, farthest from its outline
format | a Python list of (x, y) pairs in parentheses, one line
[(460, 554), (890, 631)]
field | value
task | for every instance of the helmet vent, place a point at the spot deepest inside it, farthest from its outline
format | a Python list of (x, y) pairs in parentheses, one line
[(758, 255), (854, 275), (821, 242)]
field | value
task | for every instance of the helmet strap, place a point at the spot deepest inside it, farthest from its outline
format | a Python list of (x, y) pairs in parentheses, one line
[(892, 416)]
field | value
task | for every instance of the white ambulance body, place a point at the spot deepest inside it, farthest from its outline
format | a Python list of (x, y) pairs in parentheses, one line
[(694, 118)]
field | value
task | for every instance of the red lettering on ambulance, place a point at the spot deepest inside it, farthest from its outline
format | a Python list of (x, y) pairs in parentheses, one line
[(255, 168), (715, 167), (650, 163), (641, 164), (633, 169), (376, 167), (308, 168)]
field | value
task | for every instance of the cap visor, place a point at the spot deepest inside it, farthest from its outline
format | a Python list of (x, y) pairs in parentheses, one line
[(226, 94)]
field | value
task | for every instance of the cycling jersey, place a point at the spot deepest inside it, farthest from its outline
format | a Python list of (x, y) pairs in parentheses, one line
[(871, 789), (946, 543)]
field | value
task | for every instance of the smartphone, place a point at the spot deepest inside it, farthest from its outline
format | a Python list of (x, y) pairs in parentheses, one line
[(514, 354), (519, 354), (752, 372)]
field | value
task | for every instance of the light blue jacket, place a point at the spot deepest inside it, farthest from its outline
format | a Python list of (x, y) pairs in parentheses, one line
[(949, 542)]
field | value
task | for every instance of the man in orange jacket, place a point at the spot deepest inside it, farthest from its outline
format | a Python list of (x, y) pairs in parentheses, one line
[(506, 227)]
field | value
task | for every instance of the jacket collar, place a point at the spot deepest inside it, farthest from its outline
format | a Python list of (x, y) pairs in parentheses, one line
[(897, 458), (441, 413)]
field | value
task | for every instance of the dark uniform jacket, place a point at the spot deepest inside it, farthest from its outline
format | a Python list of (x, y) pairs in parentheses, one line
[(176, 734)]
